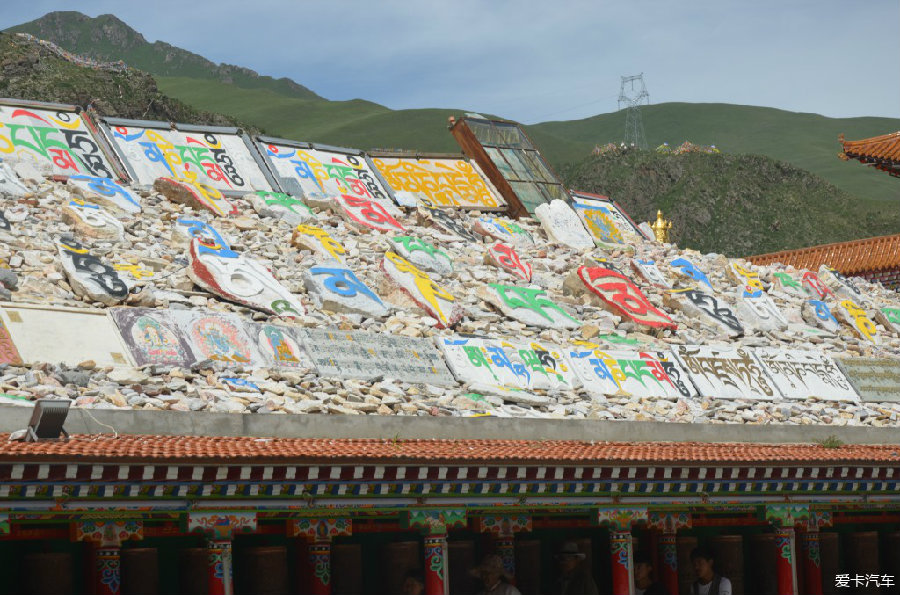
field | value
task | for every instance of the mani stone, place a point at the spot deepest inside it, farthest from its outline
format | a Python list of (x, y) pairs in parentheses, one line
[(855, 317), (89, 277), (428, 295), (92, 221), (563, 225), (239, 279), (505, 257), (333, 286), (843, 287), (196, 196), (280, 206), (444, 222), (503, 231), (759, 311), (707, 309), (105, 192), (817, 313), (422, 254), (650, 272), (318, 241), (528, 305), (10, 184)]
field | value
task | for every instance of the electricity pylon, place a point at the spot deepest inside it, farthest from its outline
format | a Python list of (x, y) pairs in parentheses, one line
[(632, 94)]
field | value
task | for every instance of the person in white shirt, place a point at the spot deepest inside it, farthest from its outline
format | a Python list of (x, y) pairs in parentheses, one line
[(708, 582)]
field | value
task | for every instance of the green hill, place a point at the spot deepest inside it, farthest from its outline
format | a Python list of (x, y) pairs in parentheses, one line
[(737, 205)]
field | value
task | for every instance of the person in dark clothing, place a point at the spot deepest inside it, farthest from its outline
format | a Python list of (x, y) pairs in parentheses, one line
[(708, 582), (573, 579), (643, 577)]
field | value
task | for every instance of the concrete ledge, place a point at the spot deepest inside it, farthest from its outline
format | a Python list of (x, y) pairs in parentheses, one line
[(178, 423)]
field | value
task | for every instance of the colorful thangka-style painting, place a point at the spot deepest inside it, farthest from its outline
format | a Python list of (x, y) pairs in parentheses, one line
[(56, 140), (152, 337), (218, 337), (215, 157), (439, 182), (279, 345)]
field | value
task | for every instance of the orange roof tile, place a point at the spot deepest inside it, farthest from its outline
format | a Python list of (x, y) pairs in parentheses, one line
[(850, 258), (881, 151), (196, 449)]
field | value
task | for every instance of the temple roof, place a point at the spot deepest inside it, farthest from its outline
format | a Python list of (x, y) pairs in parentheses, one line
[(849, 258), (194, 449), (881, 151)]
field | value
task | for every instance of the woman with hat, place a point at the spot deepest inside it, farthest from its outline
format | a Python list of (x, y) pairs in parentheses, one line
[(494, 577), (573, 579)]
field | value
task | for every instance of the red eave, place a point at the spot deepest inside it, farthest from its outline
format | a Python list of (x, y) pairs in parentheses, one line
[(248, 451), (849, 258), (881, 151)]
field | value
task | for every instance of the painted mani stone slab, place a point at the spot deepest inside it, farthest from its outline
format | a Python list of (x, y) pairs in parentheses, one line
[(889, 317), (10, 185), (745, 277), (857, 320), (358, 354), (9, 354), (788, 284), (319, 242), (503, 231), (725, 373), (627, 373), (817, 313), (441, 182), (690, 270), (106, 192), (195, 195), (239, 279), (563, 226), (506, 258), (281, 206), (804, 374), (599, 222), (218, 337), (186, 229), (708, 309), (759, 311), (528, 305), (91, 221), (648, 269), (428, 295), (422, 254), (815, 287), (333, 286), (152, 337), (89, 277), (56, 140), (622, 297), (365, 214), (280, 346), (221, 161), (876, 380), (65, 336), (444, 222), (841, 285)]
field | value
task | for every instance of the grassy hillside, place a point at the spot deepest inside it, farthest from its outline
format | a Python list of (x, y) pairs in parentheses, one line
[(736, 205)]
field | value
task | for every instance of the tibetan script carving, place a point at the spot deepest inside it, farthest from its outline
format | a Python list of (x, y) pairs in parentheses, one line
[(623, 297)]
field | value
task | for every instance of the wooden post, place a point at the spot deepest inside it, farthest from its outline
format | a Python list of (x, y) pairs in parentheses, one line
[(320, 565), (108, 535), (319, 533), (668, 555), (811, 556), (436, 564), (108, 571), (785, 569), (219, 527), (219, 564), (503, 528), (622, 567)]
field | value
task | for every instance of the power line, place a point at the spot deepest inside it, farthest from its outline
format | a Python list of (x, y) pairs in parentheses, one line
[(632, 93)]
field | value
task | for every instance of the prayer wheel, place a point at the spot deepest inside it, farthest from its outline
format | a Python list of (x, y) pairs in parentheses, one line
[(396, 560), (140, 571), (262, 571), (346, 569), (829, 553), (861, 557), (528, 566), (47, 574), (684, 545), (763, 580), (729, 552), (892, 561), (192, 571), (461, 558)]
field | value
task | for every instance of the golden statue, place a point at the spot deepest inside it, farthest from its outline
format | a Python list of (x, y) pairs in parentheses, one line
[(661, 228)]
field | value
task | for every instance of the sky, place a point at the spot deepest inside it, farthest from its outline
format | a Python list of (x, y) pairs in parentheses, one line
[(537, 61)]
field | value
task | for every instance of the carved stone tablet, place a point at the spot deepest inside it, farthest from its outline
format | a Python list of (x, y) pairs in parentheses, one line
[(280, 346), (506, 258), (365, 214), (218, 337), (817, 313), (319, 242), (841, 285), (804, 374), (758, 311), (726, 373), (707, 308), (443, 221), (422, 254), (563, 226), (855, 317), (625, 373), (281, 206), (647, 269), (239, 279), (621, 296), (876, 380), (106, 192), (89, 277), (335, 287), (425, 292), (195, 195), (10, 185), (503, 230), (689, 269), (357, 354), (527, 304), (91, 221), (815, 287)]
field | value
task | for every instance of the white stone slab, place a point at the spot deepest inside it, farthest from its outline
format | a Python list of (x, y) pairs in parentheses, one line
[(425, 292), (503, 230), (281, 206), (691, 270), (106, 192), (333, 286), (357, 354), (10, 185), (444, 222), (65, 335), (280, 346), (505, 257), (422, 254), (240, 279), (89, 277), (817, 313), (804, 374), (730, 373), (706, 308), (563, 226), (757, 310), (788, 283), (625, 373), (479, 360), (855, 318), (318, 241), (529, 305), (648, 269), (92, 221), (219, 337), (841, 285), (365, 214), (618, 294), (876, 380), (187, 228), (196, 195)]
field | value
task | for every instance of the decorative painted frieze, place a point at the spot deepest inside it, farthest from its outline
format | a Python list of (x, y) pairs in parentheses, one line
[(221, 525)]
